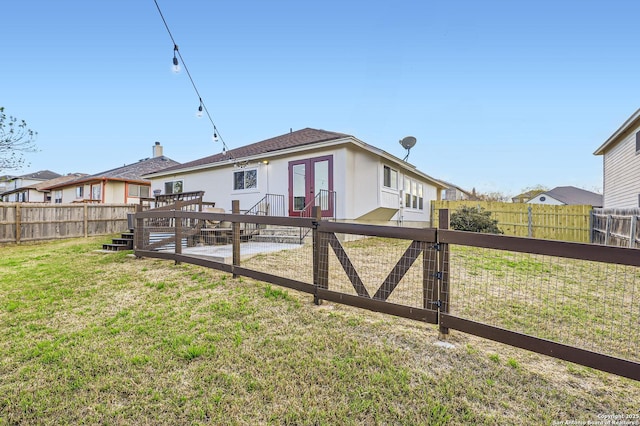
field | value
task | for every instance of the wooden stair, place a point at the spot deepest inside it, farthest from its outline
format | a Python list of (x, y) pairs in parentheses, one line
[(125, 242)]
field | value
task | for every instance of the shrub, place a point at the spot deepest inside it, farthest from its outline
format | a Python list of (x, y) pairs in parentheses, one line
[(475, 220)]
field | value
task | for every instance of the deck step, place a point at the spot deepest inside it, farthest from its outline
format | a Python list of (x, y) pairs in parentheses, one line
[(116, 247)]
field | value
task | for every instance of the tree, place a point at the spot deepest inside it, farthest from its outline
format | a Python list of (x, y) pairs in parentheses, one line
[(474, 220), (15, 140)]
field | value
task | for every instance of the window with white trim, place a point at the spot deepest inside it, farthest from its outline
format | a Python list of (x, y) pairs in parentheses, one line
[(96, 192), (58, 198), (138, 191), (413, 194), (389, 177), (245, 179), (79, 191), (173, 187)]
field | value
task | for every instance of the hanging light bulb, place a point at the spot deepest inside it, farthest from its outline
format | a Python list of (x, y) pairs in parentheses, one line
[(215, 136), (224, 150), (176, 64), (199, 113)]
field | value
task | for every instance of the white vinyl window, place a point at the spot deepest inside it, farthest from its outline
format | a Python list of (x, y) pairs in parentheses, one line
[(413, 194), (390, 177), (96, 192), (138, 191), (245, 179), (79, 191), (173, 187)]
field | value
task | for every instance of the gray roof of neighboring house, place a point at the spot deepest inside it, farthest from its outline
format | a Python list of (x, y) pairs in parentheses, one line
[(572, 195), (45, 185), (289, 140), (129, 172), (39, 175)]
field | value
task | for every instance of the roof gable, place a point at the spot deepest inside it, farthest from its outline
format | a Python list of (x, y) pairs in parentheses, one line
[(572, 196), (631, 122), (289, 140)]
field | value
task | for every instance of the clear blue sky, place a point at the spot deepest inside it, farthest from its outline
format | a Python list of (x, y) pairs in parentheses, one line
[(501, 95)]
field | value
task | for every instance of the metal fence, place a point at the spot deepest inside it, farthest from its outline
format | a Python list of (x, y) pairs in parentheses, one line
[(573, 301)]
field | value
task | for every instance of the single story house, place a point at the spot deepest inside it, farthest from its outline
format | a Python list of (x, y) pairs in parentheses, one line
[(122, 185), (16, 188), (621, 165), (568, 195), (349, 179)]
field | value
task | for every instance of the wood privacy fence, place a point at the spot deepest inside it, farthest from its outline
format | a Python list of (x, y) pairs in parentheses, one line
[(23, 222), (616, 227), (571, 301), (565, 223)]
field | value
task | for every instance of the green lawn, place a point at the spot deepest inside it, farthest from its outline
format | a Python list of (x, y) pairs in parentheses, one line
[(88, 337)]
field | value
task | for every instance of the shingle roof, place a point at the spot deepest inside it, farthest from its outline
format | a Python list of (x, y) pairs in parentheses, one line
[(128, 172), (573, 195), (289, 140), (40, 175)]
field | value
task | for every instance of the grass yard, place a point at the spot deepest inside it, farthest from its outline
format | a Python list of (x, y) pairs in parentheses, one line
[(94, 338)]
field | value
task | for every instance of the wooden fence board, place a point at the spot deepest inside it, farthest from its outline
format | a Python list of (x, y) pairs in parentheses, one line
[(21, 222), (565, 223)]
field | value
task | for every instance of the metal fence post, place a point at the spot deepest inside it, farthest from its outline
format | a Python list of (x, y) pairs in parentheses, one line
[(178, 234), (443, 273), (320, 257), (235, 235)]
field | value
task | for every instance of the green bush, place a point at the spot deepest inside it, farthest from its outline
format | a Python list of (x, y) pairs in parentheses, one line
[(474, 219)]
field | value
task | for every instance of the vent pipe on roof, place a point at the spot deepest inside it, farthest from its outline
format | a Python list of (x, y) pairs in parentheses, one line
[(157, 150)]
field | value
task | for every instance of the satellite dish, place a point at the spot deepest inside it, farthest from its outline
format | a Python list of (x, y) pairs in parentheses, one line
[(408, 143)]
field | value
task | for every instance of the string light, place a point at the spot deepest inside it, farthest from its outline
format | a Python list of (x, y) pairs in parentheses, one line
[(199, 113), (202, 108), (176, 64)]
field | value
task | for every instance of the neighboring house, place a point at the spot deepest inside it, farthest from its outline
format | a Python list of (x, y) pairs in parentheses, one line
[(568, 195), (13, 193), (367, 183), (525, 197), (39, 192), (4, 182), (621, 165), (120, 185), (455, 193)]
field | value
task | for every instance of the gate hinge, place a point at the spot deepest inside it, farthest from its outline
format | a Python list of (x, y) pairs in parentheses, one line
[(436, 247), (438, 303), (438, 275)]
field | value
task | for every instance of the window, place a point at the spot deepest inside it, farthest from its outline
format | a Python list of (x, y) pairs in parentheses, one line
[(79, 191), (58, 199), (390, 177), (138, 191), (413, 194), (173, 187), (245, 179), (637, 141), (96, 192)]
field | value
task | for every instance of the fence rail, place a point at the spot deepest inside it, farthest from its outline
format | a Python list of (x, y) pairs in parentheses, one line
[(23, 222), (565, 223), (573, 301)]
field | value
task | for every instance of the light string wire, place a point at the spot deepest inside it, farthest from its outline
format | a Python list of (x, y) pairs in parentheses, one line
[(195, 88)]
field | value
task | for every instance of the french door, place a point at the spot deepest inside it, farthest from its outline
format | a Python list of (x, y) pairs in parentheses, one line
[(311, 184)]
